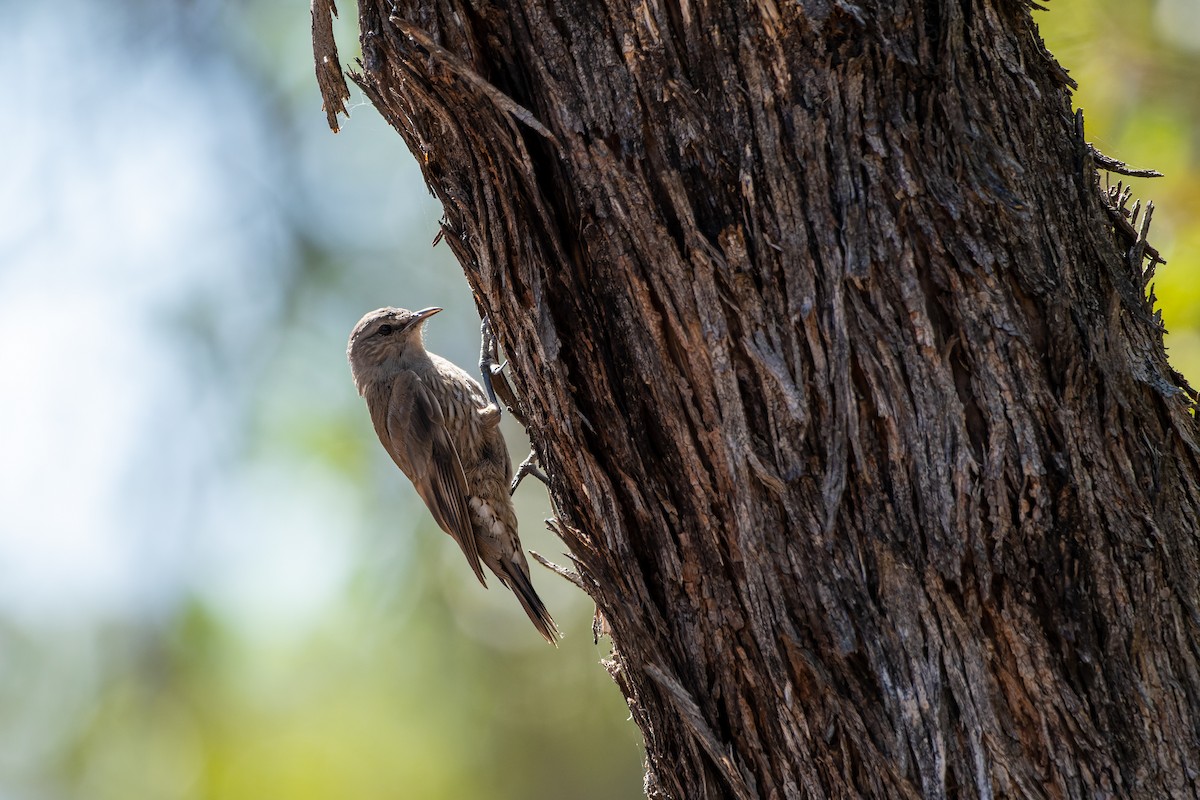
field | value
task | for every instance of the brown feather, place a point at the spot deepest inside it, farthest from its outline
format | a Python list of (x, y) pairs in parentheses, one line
[(422, 447)]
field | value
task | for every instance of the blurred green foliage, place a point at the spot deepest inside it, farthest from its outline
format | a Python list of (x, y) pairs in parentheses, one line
[(1138, 70), (357, 707)]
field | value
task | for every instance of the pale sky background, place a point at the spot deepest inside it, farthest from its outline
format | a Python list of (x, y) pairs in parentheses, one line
[(146, 195)]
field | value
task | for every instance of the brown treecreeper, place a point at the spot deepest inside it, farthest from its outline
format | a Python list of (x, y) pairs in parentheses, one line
[(441, 429)]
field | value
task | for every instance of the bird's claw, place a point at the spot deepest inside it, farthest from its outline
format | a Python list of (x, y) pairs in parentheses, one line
[(489, 354), (492, 370), (528, 467)]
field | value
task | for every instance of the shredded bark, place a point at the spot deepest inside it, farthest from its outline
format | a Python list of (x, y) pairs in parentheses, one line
[(334, 91)]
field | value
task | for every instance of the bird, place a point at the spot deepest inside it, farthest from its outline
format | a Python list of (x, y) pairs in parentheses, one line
[(443, 432)]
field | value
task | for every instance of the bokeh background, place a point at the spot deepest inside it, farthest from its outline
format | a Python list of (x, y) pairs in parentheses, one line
[(213, 583)]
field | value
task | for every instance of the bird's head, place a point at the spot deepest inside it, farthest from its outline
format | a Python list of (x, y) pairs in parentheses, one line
[(383, 340)]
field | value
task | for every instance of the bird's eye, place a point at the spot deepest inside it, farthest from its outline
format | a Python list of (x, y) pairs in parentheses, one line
[(385, 330)]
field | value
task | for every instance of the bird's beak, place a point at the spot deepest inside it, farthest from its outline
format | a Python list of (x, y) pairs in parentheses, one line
[(422, 315), (426, 313)]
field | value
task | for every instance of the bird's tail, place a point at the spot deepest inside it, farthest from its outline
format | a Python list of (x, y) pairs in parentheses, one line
[(517, 575)]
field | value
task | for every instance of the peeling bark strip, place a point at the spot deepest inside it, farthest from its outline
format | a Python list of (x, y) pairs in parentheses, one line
[(857, 416), (330, 80)]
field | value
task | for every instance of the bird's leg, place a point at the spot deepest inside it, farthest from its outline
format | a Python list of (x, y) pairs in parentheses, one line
[(499, 391), (528, 467), (493, 380), (489, 356)]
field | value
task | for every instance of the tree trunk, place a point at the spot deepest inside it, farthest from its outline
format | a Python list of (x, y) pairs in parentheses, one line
[(857, 417)]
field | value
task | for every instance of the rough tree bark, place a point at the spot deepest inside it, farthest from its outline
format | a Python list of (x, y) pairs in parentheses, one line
[(856, 413)]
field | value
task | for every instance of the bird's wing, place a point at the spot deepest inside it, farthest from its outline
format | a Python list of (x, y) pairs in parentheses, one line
[(425, 451)]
